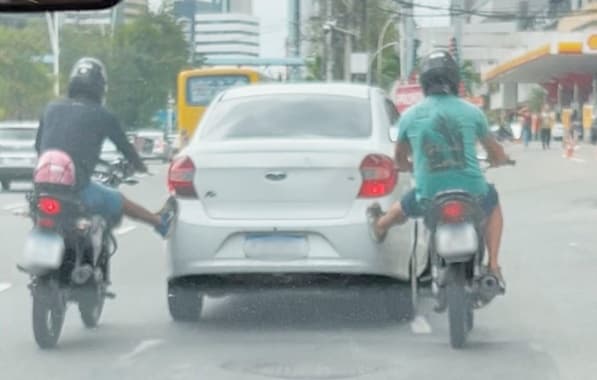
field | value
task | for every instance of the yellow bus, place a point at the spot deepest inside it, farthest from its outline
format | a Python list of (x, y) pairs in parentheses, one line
[(196, 88)]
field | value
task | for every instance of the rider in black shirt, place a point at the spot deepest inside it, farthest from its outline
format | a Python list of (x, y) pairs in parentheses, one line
[(78, 126)]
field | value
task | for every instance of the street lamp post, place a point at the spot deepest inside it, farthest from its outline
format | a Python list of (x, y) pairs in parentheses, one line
[(374, 56), (380, 41), (54, 34)]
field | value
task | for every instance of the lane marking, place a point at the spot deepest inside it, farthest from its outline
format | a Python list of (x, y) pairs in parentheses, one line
[(14, 206), (4, 286), (124, 230), (142, 347), (419, 325), (576, 159)]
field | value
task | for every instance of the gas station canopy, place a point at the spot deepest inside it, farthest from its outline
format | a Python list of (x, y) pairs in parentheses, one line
[(552, 60)]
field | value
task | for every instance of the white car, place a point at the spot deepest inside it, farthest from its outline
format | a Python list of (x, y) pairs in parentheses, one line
[(273, 190), (17, 151), (558, 131)]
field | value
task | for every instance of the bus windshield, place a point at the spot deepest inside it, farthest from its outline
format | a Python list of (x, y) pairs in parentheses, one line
[(202, 89)]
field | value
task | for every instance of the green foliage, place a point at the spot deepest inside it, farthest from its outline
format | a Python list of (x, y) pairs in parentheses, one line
[(470, 76), (142, 57), (146, 57), (536, 99), (26, 82)]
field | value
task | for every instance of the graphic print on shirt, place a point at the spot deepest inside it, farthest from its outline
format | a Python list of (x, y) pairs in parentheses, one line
[(443, 146)]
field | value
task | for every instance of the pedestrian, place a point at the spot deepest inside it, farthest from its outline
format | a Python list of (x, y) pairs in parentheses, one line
[(526, 125), (546, 121)]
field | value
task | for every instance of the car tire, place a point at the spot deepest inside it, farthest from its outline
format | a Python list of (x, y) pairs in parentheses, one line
[(5, 184), (399, 302), (184, 302)]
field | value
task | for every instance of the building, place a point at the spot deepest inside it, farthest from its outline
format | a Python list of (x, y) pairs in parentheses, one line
[(125, 11), (218, 28), (226, 35)]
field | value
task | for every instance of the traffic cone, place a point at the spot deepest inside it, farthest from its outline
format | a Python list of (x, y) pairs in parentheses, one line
[(569, 150)]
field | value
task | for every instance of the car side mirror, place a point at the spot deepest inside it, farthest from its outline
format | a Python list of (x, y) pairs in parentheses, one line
[(393, 133)]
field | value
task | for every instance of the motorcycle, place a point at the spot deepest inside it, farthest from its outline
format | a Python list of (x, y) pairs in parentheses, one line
[(67, 253), (460, 282)]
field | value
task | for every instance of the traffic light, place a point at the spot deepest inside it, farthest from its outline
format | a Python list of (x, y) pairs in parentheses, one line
[(453, 49)]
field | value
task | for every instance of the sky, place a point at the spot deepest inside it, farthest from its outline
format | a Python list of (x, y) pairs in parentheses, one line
[(273, 17)]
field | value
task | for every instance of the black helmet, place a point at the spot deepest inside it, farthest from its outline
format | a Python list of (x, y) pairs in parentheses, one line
[(439, 73), (88, 79)]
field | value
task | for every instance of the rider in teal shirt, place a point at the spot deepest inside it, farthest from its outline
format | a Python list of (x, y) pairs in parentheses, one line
[(437, 141)]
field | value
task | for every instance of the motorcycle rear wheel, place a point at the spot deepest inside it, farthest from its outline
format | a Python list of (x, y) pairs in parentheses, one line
[(459, 309), (48, 316)]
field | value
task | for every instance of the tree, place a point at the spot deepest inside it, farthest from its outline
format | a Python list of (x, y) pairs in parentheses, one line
[(25, 83), (146, 57), (470, 76)]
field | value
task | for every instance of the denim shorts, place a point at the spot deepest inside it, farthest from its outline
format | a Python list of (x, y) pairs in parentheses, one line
[(102, 200), (413, 208)]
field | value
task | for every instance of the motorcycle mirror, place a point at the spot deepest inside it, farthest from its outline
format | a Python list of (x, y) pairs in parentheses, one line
[(54, 5)]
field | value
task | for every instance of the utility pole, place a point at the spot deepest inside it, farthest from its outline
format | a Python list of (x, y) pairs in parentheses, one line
[(329, 58), (348, 41), (54, 34), (457, 6), (407, 38)]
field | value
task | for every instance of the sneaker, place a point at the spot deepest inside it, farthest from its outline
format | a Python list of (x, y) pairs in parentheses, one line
[(374, 212), (167, 215)]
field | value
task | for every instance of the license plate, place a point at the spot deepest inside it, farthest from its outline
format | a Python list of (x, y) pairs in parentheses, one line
[(43, 252), (456, 242), (276, 247)]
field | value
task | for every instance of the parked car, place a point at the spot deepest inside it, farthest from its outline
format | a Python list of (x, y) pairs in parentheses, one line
[(17, 151), (152, 145), (275, 191)]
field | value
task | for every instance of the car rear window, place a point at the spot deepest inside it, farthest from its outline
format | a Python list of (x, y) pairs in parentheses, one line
[(17, 134), (289, 116), (202, 89)]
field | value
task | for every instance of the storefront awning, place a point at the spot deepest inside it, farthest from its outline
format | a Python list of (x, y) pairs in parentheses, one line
[(546, 62)]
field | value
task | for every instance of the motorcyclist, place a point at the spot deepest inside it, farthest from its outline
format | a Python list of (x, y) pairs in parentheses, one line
[(440, 135), (78, 126)]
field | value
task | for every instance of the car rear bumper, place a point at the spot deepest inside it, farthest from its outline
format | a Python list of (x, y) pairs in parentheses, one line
[(16, 173), (335, 246)]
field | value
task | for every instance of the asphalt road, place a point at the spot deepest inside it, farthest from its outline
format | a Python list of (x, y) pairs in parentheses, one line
[(544, 328)]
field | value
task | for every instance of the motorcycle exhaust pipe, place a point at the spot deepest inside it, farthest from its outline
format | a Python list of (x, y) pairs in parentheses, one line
[(489, 288), (82, 274)]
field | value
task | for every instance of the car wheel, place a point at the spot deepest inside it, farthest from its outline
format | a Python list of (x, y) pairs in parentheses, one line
[(5, 184), (399, 302), (184, 302)]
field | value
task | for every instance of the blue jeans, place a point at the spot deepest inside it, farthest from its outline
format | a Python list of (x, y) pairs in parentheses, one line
[(103, 200), (413, 208)]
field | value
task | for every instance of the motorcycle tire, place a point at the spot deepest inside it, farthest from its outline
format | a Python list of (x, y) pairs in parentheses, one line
[(91, 306), (48, 316), (459, 308), (184, 303)]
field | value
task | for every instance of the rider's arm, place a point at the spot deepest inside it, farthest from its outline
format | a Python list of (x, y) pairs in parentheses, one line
[(403, 151), (118, 137), (401, 155)]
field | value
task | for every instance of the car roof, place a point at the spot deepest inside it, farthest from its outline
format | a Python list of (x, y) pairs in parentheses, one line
[(19, 124), (336, 89)]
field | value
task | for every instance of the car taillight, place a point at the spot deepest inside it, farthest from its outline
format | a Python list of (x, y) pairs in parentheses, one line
[(49, 206), (380, 176), (452, 212), (180, 177)]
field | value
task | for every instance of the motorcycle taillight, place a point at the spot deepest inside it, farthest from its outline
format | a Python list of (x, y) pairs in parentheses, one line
[(46, 223), (49, 206), (453, 212)]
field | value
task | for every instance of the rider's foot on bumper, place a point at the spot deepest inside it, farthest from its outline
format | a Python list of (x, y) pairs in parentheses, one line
[(374, 212), (166, 215)]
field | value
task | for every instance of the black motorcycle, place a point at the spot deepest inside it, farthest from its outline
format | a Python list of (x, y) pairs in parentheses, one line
[(67, 253)]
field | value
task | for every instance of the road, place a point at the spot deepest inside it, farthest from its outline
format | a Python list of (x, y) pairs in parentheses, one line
[(544, 328)]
